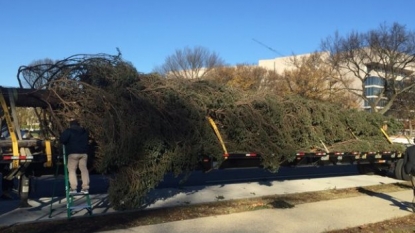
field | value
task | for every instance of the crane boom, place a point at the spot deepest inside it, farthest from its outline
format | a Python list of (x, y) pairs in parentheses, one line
[(266, 46)]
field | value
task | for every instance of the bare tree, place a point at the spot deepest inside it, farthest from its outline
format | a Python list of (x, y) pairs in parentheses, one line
[(190, 63), (41, 73), (311, 77), (386, 53), (242, 76), (404, 108)]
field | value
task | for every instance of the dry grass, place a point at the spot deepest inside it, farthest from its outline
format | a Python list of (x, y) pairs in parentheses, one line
[(397, 225), (122, 220)]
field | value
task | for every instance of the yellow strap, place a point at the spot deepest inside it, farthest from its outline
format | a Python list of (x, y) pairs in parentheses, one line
[(48, 154), (386, 135), (215, 128)]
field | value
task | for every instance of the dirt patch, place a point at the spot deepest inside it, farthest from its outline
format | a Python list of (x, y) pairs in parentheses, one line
[(127, 219)]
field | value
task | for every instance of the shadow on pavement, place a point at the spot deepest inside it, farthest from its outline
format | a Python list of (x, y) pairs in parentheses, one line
[(403, 205)]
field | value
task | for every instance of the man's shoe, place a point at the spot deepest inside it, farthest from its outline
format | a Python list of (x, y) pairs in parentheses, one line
[(72, 192), (84, 191)]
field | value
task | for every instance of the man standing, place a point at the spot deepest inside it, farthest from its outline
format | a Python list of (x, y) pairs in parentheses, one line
[(409, 168), (75, 139)]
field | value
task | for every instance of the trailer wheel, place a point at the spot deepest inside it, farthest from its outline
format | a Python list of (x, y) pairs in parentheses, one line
[(398, 169), (405, 176)]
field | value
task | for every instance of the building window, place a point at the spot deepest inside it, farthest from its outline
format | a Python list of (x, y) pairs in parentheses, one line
[(374, 81), (373, 91), (374, 86)]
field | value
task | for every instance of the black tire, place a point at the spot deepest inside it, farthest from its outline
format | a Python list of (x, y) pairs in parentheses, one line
[(405, 176), (398, 169)]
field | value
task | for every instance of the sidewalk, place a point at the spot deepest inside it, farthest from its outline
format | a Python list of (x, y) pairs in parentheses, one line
[(312, 217)]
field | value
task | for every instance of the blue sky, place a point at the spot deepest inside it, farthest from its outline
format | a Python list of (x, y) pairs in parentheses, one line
[(147, 31)]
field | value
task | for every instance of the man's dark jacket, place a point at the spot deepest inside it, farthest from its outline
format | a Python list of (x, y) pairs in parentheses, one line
[(75, 139), (409, 160)]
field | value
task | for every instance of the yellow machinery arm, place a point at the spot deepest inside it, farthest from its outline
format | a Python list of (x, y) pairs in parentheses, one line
[(15, 147)]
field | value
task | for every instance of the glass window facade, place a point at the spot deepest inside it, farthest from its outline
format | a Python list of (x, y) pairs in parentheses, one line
[(374, 81), (373, 91), (381, 103), (373, 87)]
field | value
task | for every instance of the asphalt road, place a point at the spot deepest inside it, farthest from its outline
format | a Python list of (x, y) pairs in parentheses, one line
[(240, 175), (48, 186)]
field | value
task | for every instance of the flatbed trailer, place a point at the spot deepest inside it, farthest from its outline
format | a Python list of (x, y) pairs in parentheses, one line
[(378, 162), (366, 162), (21, 158), (377, 159)]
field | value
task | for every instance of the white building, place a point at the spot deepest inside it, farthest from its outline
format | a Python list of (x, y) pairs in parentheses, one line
[(371, 72)]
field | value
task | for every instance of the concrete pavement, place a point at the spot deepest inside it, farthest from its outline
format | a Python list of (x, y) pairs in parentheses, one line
[(311, 217)]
